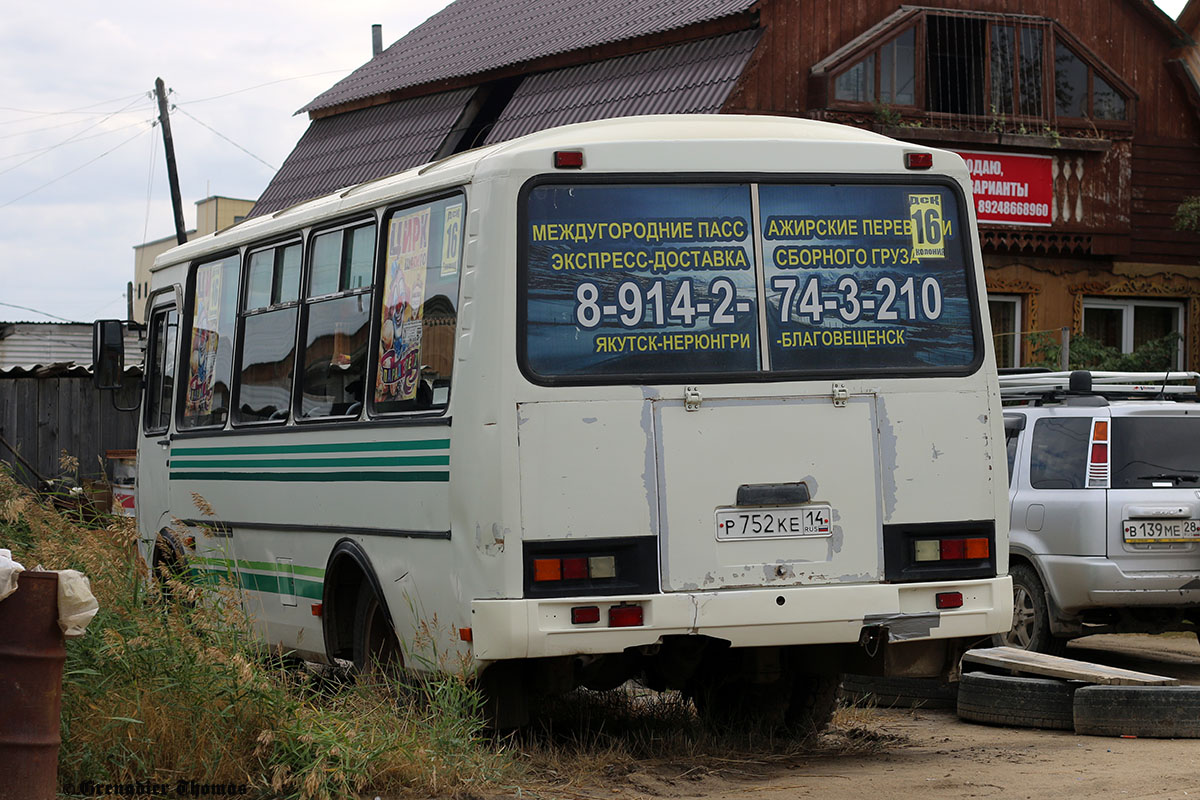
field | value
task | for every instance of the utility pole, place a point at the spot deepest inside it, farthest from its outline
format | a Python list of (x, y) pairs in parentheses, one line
[(169, 145)]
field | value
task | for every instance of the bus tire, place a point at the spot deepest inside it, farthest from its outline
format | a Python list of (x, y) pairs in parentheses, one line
[(1157, 712), (1031, 615), (811, 705), (1019, 702), (376, 646)]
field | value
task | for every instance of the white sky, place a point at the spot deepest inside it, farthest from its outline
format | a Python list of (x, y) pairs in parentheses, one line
[(82, 174)]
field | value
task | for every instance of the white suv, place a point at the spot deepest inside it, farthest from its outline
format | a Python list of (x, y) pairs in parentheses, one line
[(1104, 485)]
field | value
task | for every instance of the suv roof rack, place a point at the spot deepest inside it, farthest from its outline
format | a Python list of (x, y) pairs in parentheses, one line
[(1062, 386)]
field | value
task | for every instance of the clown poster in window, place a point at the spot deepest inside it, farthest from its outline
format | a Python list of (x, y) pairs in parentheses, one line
[(205, 338), (400, 329)]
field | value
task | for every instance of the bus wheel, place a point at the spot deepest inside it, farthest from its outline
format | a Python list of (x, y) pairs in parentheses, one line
[(811, 705), (375, 644)]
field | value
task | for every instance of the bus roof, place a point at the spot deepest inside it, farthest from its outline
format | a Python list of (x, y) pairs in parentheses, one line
[(460, 168)]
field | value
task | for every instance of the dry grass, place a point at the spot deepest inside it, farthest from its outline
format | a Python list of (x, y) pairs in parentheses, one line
[(170, 685)]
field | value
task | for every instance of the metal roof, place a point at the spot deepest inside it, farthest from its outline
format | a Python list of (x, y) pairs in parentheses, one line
[(27, 347), (691, 78), (469, 37), (362, 145)]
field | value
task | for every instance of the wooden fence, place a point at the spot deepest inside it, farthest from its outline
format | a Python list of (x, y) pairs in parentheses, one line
[(43, 415)]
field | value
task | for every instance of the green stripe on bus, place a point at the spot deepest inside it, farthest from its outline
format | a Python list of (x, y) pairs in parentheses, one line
[(312, 590), (314, 477), (266, 566), (333, 447), (377, 461)]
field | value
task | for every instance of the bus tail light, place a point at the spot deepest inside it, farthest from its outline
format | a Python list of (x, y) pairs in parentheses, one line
[(625, 616), (575, 568), (956, 549), (590, 567)]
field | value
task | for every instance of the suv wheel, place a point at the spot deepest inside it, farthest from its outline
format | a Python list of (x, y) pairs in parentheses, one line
[(1031, 618)]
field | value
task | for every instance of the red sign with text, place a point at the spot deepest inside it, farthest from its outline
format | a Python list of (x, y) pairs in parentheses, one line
[(1011, 189)]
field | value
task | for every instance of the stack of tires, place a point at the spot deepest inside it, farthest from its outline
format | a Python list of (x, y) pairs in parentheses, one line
[(1161, 712)]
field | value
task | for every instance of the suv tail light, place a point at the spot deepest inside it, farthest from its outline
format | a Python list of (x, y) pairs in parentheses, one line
[(1097, 470)]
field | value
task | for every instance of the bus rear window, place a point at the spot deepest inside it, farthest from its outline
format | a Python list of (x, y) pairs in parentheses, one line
[(641, 281)]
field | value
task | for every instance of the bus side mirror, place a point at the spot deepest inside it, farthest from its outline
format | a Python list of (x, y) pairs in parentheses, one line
[(108, 353)]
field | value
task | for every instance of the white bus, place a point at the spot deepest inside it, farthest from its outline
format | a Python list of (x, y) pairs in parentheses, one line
[(706, 401)]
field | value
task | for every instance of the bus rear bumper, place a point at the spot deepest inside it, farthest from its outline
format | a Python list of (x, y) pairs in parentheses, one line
[(509, 629)]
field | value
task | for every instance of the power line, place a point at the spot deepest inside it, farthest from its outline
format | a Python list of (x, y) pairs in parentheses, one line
[(261, 85), (72, 172), (223, 136), (64, 141), (81, 139), (37, 311), (79, 110)]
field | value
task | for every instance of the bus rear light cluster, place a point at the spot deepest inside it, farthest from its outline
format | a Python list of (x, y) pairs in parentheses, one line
[(574, 568), (625, 615), (925, 550)]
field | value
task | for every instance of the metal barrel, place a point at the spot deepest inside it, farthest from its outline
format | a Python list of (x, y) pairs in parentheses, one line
[(31, 665)]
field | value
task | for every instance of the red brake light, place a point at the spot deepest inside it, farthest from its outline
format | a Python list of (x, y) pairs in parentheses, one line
[(954, 549), (1099, 453), (918, 160), (568, 159), (624, 616), (575, 569)]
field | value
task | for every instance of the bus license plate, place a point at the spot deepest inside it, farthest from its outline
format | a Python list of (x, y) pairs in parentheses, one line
[(1162, 530), (770, 523)]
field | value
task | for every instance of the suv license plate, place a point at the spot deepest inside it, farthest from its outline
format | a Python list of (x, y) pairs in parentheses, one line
[(776, 522), (1162, 530)]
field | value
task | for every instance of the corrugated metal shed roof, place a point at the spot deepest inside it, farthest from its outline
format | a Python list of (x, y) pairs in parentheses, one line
[(358, 146), (31, 346), (473, 36), (692, 78)]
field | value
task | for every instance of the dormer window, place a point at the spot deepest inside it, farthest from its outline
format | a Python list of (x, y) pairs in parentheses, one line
[(891, 68), (973, 70), (1079, 92)]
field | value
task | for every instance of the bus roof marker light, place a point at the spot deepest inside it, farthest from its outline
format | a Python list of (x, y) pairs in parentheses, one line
[(568, 159), (918, 160)]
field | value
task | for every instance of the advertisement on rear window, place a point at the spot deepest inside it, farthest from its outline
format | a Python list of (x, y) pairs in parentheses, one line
[(868, 277), (640, 280), (649, 280)]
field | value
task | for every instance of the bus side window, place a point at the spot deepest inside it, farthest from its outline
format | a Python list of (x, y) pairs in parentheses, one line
[(419, 307), (214, 292), (268, 335), (160, 370), (337, 315)]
